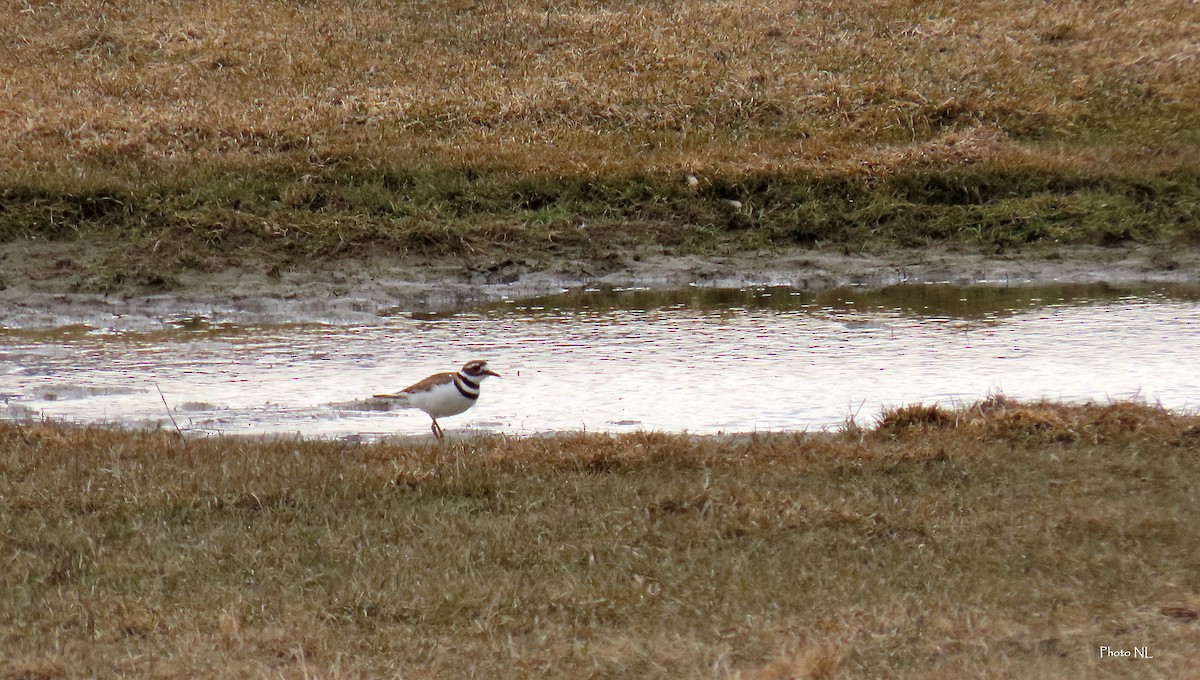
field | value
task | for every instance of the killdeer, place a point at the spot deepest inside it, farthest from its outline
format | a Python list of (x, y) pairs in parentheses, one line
[(443, 394)]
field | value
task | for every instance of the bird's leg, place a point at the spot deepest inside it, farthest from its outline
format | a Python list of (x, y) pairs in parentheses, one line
[(437, 431)]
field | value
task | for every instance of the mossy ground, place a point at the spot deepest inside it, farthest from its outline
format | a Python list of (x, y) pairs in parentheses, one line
[(147, 235)]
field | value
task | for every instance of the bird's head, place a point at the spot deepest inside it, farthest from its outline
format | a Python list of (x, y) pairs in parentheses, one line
[(478, 369)]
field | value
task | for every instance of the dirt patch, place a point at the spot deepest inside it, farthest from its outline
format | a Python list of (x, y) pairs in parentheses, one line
[(39, 289)]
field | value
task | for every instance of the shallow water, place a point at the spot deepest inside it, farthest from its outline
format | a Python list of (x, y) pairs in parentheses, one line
[(700, 360)]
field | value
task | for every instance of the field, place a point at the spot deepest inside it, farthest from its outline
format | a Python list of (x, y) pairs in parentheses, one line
[(1005, 540), (147, 139), (149, 145)]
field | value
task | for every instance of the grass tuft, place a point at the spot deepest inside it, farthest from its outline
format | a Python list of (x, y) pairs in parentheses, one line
[(914, 417)]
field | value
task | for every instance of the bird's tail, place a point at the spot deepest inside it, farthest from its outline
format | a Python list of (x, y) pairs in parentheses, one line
[(399, 399)]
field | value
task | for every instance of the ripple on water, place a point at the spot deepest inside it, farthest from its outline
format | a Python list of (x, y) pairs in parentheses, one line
[(701, 360)]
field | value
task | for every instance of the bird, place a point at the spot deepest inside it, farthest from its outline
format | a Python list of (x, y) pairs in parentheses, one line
[(443, 394)]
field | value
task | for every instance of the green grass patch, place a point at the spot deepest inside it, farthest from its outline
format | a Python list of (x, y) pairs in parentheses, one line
[(166, 224)]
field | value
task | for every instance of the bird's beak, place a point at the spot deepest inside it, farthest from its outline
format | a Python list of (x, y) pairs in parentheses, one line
[(491, 373)]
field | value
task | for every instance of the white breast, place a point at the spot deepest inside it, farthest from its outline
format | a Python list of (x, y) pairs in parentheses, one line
[(440, 401)]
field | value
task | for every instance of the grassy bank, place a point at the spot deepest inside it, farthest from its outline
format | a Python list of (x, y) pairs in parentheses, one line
[(169, 137), (146, 233), (1001, 540)]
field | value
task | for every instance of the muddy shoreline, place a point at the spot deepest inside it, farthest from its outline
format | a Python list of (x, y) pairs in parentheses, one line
[(357, 291)]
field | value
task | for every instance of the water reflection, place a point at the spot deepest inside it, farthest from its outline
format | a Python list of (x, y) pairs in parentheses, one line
[(702, 360), (957, 302)]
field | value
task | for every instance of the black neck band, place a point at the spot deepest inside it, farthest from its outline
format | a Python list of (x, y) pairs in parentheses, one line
[(458, 383)]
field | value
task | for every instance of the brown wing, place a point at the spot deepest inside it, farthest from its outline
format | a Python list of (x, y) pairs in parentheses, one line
[(423, 386)]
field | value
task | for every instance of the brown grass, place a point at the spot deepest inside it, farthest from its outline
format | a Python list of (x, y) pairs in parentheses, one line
[(1005, 539), (581, 88), (169, 137)]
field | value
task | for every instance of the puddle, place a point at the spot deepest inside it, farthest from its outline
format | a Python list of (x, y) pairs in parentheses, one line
[(701, 360)]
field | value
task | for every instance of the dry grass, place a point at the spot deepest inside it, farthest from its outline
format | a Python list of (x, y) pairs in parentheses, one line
[(265, 134), (586, 87), (1000, 540)]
